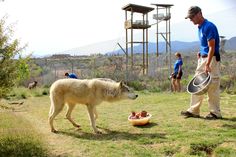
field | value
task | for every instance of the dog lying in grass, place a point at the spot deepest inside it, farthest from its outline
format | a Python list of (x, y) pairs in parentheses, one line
[(90, 92)]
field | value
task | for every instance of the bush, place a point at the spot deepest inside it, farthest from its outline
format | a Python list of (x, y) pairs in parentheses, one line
[(45, 92), (155, 89), (227, 84), (11, 70), (23, 96), (137, 85)]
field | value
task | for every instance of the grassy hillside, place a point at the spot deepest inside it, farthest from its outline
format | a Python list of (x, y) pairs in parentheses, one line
[(168, 133)]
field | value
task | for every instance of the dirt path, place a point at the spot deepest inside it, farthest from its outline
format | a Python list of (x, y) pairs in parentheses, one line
[(58, 144)]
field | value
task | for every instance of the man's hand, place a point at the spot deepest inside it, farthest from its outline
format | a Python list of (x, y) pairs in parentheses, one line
[(207, 68)]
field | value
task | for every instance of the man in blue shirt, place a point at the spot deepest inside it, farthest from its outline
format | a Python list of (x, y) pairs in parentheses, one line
[(177, 74), (209, 62), (71, 75)]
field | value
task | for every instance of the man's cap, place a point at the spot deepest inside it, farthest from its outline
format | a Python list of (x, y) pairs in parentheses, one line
[(193, 10)]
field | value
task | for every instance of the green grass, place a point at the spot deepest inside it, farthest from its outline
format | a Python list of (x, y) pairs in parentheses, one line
[(18, 138), (24, 93), (168, 133)]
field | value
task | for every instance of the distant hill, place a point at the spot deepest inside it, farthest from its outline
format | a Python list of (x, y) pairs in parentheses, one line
[(175, 46), (231, 44), (181, 46)]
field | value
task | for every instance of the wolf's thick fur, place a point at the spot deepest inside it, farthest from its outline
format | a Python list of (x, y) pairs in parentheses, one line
[(88, 92)]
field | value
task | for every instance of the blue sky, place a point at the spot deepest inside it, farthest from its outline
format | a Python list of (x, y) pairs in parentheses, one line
[(56, 25)]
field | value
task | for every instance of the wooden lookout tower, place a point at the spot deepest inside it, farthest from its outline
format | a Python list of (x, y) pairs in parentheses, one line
[(140, 24), (163, 15)]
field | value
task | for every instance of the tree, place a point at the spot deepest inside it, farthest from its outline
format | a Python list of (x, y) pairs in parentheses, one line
[(10, 68)]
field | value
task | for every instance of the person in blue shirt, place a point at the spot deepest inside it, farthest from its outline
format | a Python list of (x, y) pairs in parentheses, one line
[(208, 62), (177, 74), (71, 75)]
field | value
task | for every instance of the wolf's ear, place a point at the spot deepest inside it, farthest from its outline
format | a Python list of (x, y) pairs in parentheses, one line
[(121, 83)]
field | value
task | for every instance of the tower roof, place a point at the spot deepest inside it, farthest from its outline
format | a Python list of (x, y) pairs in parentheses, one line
[(137, 8), (163, 5)]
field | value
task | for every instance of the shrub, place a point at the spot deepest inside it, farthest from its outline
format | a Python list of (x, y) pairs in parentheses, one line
[(137, 85), (23, 96), (45, 92), (11, 70)]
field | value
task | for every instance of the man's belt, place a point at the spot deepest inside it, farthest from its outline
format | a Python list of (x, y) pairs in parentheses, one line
[(204, 56)]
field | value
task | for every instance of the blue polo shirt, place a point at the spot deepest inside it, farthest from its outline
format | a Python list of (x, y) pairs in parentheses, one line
[(206, 32), (72, 75), (177, 64)]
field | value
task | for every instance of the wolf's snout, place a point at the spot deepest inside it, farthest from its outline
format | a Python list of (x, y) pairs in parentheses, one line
[(135, 96), (132, 96)]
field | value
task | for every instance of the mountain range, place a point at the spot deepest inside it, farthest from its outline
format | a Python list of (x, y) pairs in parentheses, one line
[(179, 46)]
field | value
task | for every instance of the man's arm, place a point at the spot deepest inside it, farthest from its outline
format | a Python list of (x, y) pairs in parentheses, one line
[(211, 45)]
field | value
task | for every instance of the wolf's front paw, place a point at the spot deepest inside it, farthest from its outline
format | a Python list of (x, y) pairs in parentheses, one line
[(97, 132), (76, 125), (54, 131)]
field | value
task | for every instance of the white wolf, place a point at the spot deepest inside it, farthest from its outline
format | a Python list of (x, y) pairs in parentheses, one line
[(88, 92)]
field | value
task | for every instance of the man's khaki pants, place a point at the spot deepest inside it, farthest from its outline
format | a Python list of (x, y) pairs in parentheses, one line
[(213, 91)]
